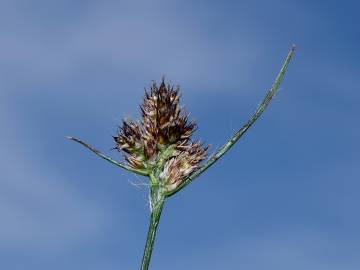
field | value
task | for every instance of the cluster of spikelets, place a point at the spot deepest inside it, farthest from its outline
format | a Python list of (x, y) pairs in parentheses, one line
[(161, 141)]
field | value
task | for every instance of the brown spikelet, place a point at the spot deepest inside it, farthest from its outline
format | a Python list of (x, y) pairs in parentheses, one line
[(183, 164), (129, 137), (163, 119), (163, 123)]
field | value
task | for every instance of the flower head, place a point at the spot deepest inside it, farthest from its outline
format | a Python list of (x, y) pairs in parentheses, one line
[(161, 141)]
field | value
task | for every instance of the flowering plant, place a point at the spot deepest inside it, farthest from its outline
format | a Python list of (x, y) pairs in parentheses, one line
[(160, 147)]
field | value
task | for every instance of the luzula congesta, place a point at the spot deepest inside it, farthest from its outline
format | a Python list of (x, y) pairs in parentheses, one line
[(160, 147)]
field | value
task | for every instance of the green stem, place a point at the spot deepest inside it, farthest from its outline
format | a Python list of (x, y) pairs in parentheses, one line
[(156, 209)]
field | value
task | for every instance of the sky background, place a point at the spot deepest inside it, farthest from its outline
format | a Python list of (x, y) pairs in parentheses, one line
[(285, 197)]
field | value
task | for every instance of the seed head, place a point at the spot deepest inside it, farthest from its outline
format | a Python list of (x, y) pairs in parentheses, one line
[(164, 125)]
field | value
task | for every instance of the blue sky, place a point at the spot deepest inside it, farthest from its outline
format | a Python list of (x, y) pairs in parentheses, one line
[(285, 197)]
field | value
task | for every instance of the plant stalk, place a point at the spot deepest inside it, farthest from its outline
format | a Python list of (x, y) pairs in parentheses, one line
[(156, 209)]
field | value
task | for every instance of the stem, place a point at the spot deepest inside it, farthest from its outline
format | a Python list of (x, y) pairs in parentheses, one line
[(154, 222), (97, 152), (231, 142)]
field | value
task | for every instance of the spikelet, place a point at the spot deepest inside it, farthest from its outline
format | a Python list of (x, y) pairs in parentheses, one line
[(182, 164), (163, 123)]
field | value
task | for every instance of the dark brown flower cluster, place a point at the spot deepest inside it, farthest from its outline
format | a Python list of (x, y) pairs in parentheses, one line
[(164, 124)]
